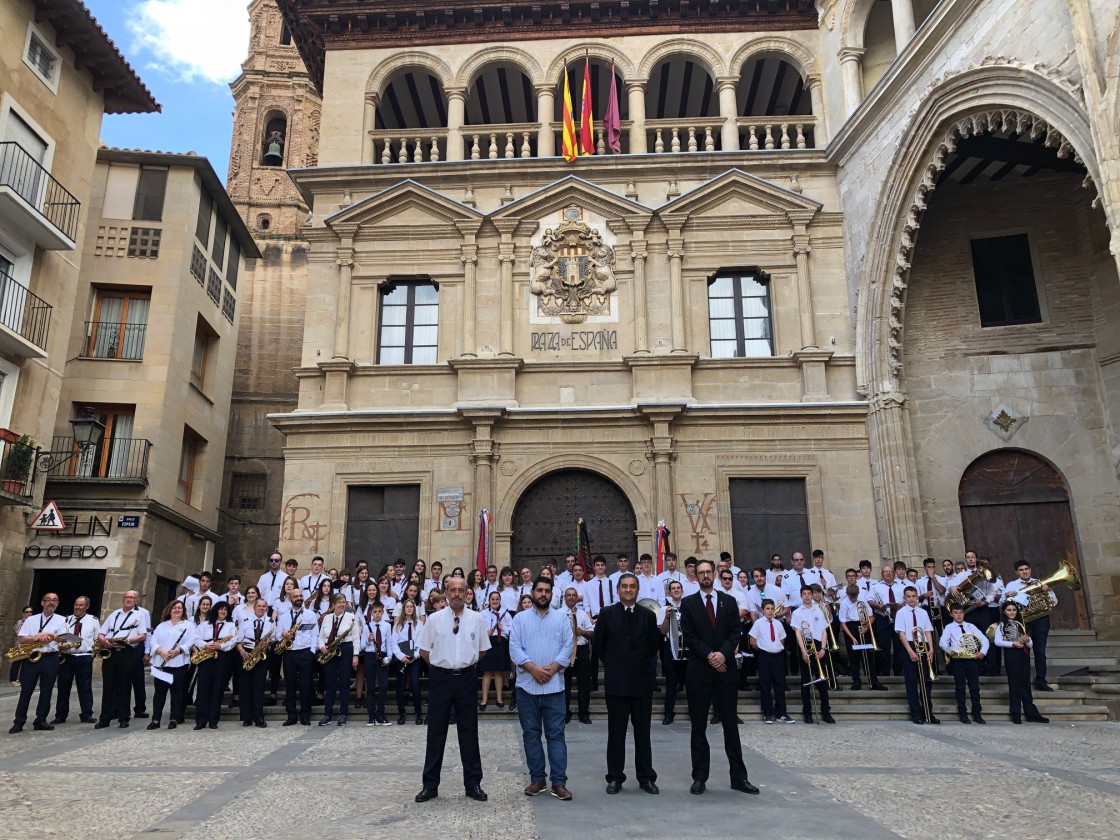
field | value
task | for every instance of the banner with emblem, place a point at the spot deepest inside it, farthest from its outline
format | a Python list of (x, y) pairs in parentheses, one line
[(483, 557), (662, 543)]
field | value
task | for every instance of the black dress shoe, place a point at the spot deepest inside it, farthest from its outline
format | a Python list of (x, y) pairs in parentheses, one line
[(1042, 687), (649, 787), (978, 719), (917, 720), (744, 787), (665, 721), (153, 725), (42, 726), (1016, 720), (17, 728), (213, 726), (101, 724), (246, 723), (934, 720), (86, 719), (614, 786), (289, 722), (825, 716), (260, 724), (401, 721), (141, 715), (964, 719), (878, 687), (477, 794), (1038, 719), (585, 719), (697, 788), (199, 726), (426, 793), (172, 724), (57, 720), (122, 725)]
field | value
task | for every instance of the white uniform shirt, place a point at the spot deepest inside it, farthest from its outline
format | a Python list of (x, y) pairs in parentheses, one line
[(490, 622), (792, 583), (409, 634), (738, 594), (583, 623), (599, 593), (1017, 586), (448, 649), (1001, 640), (191, 599), (39, 623), (564, 579), (247, 632), (848, 610), (775, 578), (760, 631), (369, 636), (510, 596), (233, 599), (910, 617), (122, 624), (306, 624), (826, 577), (344, 626), (954, 631), (204, 634), (243, 611), (170, 636), (271, 586), (90, 624), (817, 624), (651, 587), (881, 592), (310, 583)]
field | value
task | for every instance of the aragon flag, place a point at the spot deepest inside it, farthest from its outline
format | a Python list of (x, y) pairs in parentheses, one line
[(570, 149)]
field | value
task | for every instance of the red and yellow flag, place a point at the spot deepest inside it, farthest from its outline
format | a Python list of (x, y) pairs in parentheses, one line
[(570, 150), (586, 129)]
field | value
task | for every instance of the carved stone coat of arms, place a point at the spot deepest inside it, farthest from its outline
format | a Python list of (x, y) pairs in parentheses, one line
[(572, 271)]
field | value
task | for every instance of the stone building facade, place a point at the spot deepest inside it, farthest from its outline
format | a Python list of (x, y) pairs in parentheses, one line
[(774, 321)]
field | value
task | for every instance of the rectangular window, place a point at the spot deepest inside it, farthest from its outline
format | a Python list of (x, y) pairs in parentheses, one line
[(117, 454), (214, 286), (219, 252), (150, 190), (767, 514), (247, 491), (229, 305), (205, 211), (188, 462), (41, 57), (144, 242), (1005, 286), (119, 325), (233, 264), (198, 265), (739, 315), (409, 323), (204, 341)]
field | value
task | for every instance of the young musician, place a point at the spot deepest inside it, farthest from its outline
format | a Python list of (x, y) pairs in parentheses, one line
[(495, 662), (673, 669), (218, 633), (171, 645), (809, 614), (406, 633), (377, 635), (250, 634), (964, 670), (338, 632), (767, 637), (851, 626), (909, 618), (1039, 629), (1016, 646)]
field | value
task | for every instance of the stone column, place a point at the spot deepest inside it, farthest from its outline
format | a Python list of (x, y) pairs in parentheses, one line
[(546, 135), (894, 479), (456, 116), (820, 130), (677, 295), (369, 124), (469, 258), (662, 452), (636, 96), (902, 11), (505, 337), (345, 263), (851, 71), (728, 111), (638, 254)]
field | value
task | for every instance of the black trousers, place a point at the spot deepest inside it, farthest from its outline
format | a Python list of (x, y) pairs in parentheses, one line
[(177, 688), (1018, 666), (811, 673), (449, 692), (252, 692), (409, 676), (860, 661), (299, 668), (116, 683), (712, 693), (985, 618), (966, 673), (377, 685), (274, 663), (771, 682), (75, 669), (621, 712), (139, 683), (42, 673), (1039, 631), (336, 673), (210, 683), (913, 691), (674, 671), (892, 656), (581, 674)]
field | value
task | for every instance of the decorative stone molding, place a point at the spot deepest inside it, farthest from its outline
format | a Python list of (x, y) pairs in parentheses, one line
[(706, 56), (788, 47), (1004, 422), (481, 59), (403, 60), (572, 271), (598, 49)]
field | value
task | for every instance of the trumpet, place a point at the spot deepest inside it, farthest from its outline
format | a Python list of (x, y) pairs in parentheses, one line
[(204, 655)]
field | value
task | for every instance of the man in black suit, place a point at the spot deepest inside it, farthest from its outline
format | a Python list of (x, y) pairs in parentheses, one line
[(710, 623), (626, 641)]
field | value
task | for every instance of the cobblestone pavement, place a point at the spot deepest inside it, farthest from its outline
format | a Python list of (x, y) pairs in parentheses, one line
[(851, 780)]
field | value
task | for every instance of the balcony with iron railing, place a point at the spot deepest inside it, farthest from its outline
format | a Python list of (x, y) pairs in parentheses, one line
[(33, 202), (25, 319), (17, 468), (114, 340), (111, 461)]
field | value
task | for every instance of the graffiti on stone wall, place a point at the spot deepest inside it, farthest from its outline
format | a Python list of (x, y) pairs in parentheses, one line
[(297, 524), (700, 510), (450, 516)]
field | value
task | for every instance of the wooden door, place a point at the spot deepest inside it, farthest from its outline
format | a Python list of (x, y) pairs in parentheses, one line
[(768, 516), (1015, 506), (382, 525)]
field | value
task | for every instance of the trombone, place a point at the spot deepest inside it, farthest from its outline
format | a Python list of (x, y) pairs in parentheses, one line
[(829, 634), (926, 676), (825, 672)]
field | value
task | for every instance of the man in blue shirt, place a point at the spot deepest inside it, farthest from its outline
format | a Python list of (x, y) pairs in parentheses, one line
[(540, 645)]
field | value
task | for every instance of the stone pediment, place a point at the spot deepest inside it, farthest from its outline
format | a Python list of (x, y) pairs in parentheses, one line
[(568, 191), (406, 204), (736, 193)]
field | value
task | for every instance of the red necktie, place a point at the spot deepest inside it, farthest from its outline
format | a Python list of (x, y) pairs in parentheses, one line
[(257, 627), (78, 627), (890, 593), (772, 637), (217, 627), (711, 611), (498, 624), (914, 617), (334, 629), (377, 638)]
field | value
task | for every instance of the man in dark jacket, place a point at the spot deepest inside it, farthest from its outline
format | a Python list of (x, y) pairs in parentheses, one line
[(626, 641)]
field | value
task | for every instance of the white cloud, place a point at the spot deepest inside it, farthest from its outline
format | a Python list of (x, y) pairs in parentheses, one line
[(193, 39)]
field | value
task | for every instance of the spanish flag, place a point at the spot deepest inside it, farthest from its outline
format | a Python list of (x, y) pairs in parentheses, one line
[(586, 129), (571, 151)]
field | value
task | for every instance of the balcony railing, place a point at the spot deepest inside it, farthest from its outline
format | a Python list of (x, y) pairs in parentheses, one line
[(17, 468), (27, 178), (114, 340), (120, 459), (24, 312), (777, 132)]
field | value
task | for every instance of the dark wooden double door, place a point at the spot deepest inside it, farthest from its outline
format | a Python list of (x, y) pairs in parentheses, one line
[(1015, 505)]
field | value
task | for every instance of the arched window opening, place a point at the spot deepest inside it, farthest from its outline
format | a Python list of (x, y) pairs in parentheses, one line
[(275, 138), (600, 72)]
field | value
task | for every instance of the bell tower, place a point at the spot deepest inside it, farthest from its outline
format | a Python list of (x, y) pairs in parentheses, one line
[(275, 128)]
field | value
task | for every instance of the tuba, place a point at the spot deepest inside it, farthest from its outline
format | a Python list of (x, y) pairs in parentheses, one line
[(676, 635), (1038, 602), (968, 589)]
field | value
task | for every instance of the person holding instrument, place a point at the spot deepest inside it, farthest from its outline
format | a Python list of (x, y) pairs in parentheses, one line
[(909, 622), (43, 628), (1010, 635), (768, 637), (965, 647), (857, 625), (816, 666)]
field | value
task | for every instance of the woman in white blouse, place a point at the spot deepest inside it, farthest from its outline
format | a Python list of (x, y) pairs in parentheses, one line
[(406, 633), (218, 633), (171, 646), (338, 630)]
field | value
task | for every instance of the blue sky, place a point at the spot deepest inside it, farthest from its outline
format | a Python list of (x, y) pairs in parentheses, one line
[(186, 52)]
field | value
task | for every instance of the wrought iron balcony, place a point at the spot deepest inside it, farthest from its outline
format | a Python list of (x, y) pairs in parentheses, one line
[(17, 469), (34, 202), (113, 460), (114, 340), (26, 315)]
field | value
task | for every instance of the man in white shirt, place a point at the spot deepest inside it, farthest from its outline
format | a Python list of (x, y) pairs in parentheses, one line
[(580, 667), (271, 583), (525, 587), (600, 591), (564, 578), (909, 621), (725, 562), (1039, 629), (310, 583), (824, 574), (125, 631), (848, 613), (41, 629), (435, 579), (77, 664), (191, 599), (964, 667), (727, 586), (808, 614), (887, 598), (622, 566), (649, 587), (776, 574), (302, 626), (232, 595), (691, 584), (671, 573)]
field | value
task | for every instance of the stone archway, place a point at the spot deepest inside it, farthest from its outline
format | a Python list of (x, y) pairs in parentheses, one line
[(1015, 505), (546, 515)]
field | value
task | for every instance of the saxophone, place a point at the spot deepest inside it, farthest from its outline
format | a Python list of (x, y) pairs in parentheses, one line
[(333, 649), (259, 652), (204, 655)]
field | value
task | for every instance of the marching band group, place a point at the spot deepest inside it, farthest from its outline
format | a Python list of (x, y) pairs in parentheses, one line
[(335, 635)]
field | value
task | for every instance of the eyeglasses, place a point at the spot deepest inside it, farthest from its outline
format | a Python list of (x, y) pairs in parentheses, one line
[(455, 629), (274, 560)]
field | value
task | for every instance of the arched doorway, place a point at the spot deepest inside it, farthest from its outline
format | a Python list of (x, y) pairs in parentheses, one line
[(1015, 505), (544, 521)]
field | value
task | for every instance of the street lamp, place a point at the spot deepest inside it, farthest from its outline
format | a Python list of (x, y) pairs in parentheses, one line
[(87, 434)]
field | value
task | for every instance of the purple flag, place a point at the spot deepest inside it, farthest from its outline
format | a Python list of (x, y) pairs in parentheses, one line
[(610, 120)]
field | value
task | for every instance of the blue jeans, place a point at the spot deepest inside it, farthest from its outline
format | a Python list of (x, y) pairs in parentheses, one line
[(547, 710)]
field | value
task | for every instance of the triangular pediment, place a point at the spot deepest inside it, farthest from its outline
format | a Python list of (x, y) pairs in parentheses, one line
[(735, 194), (567, 191), (405, 204)]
